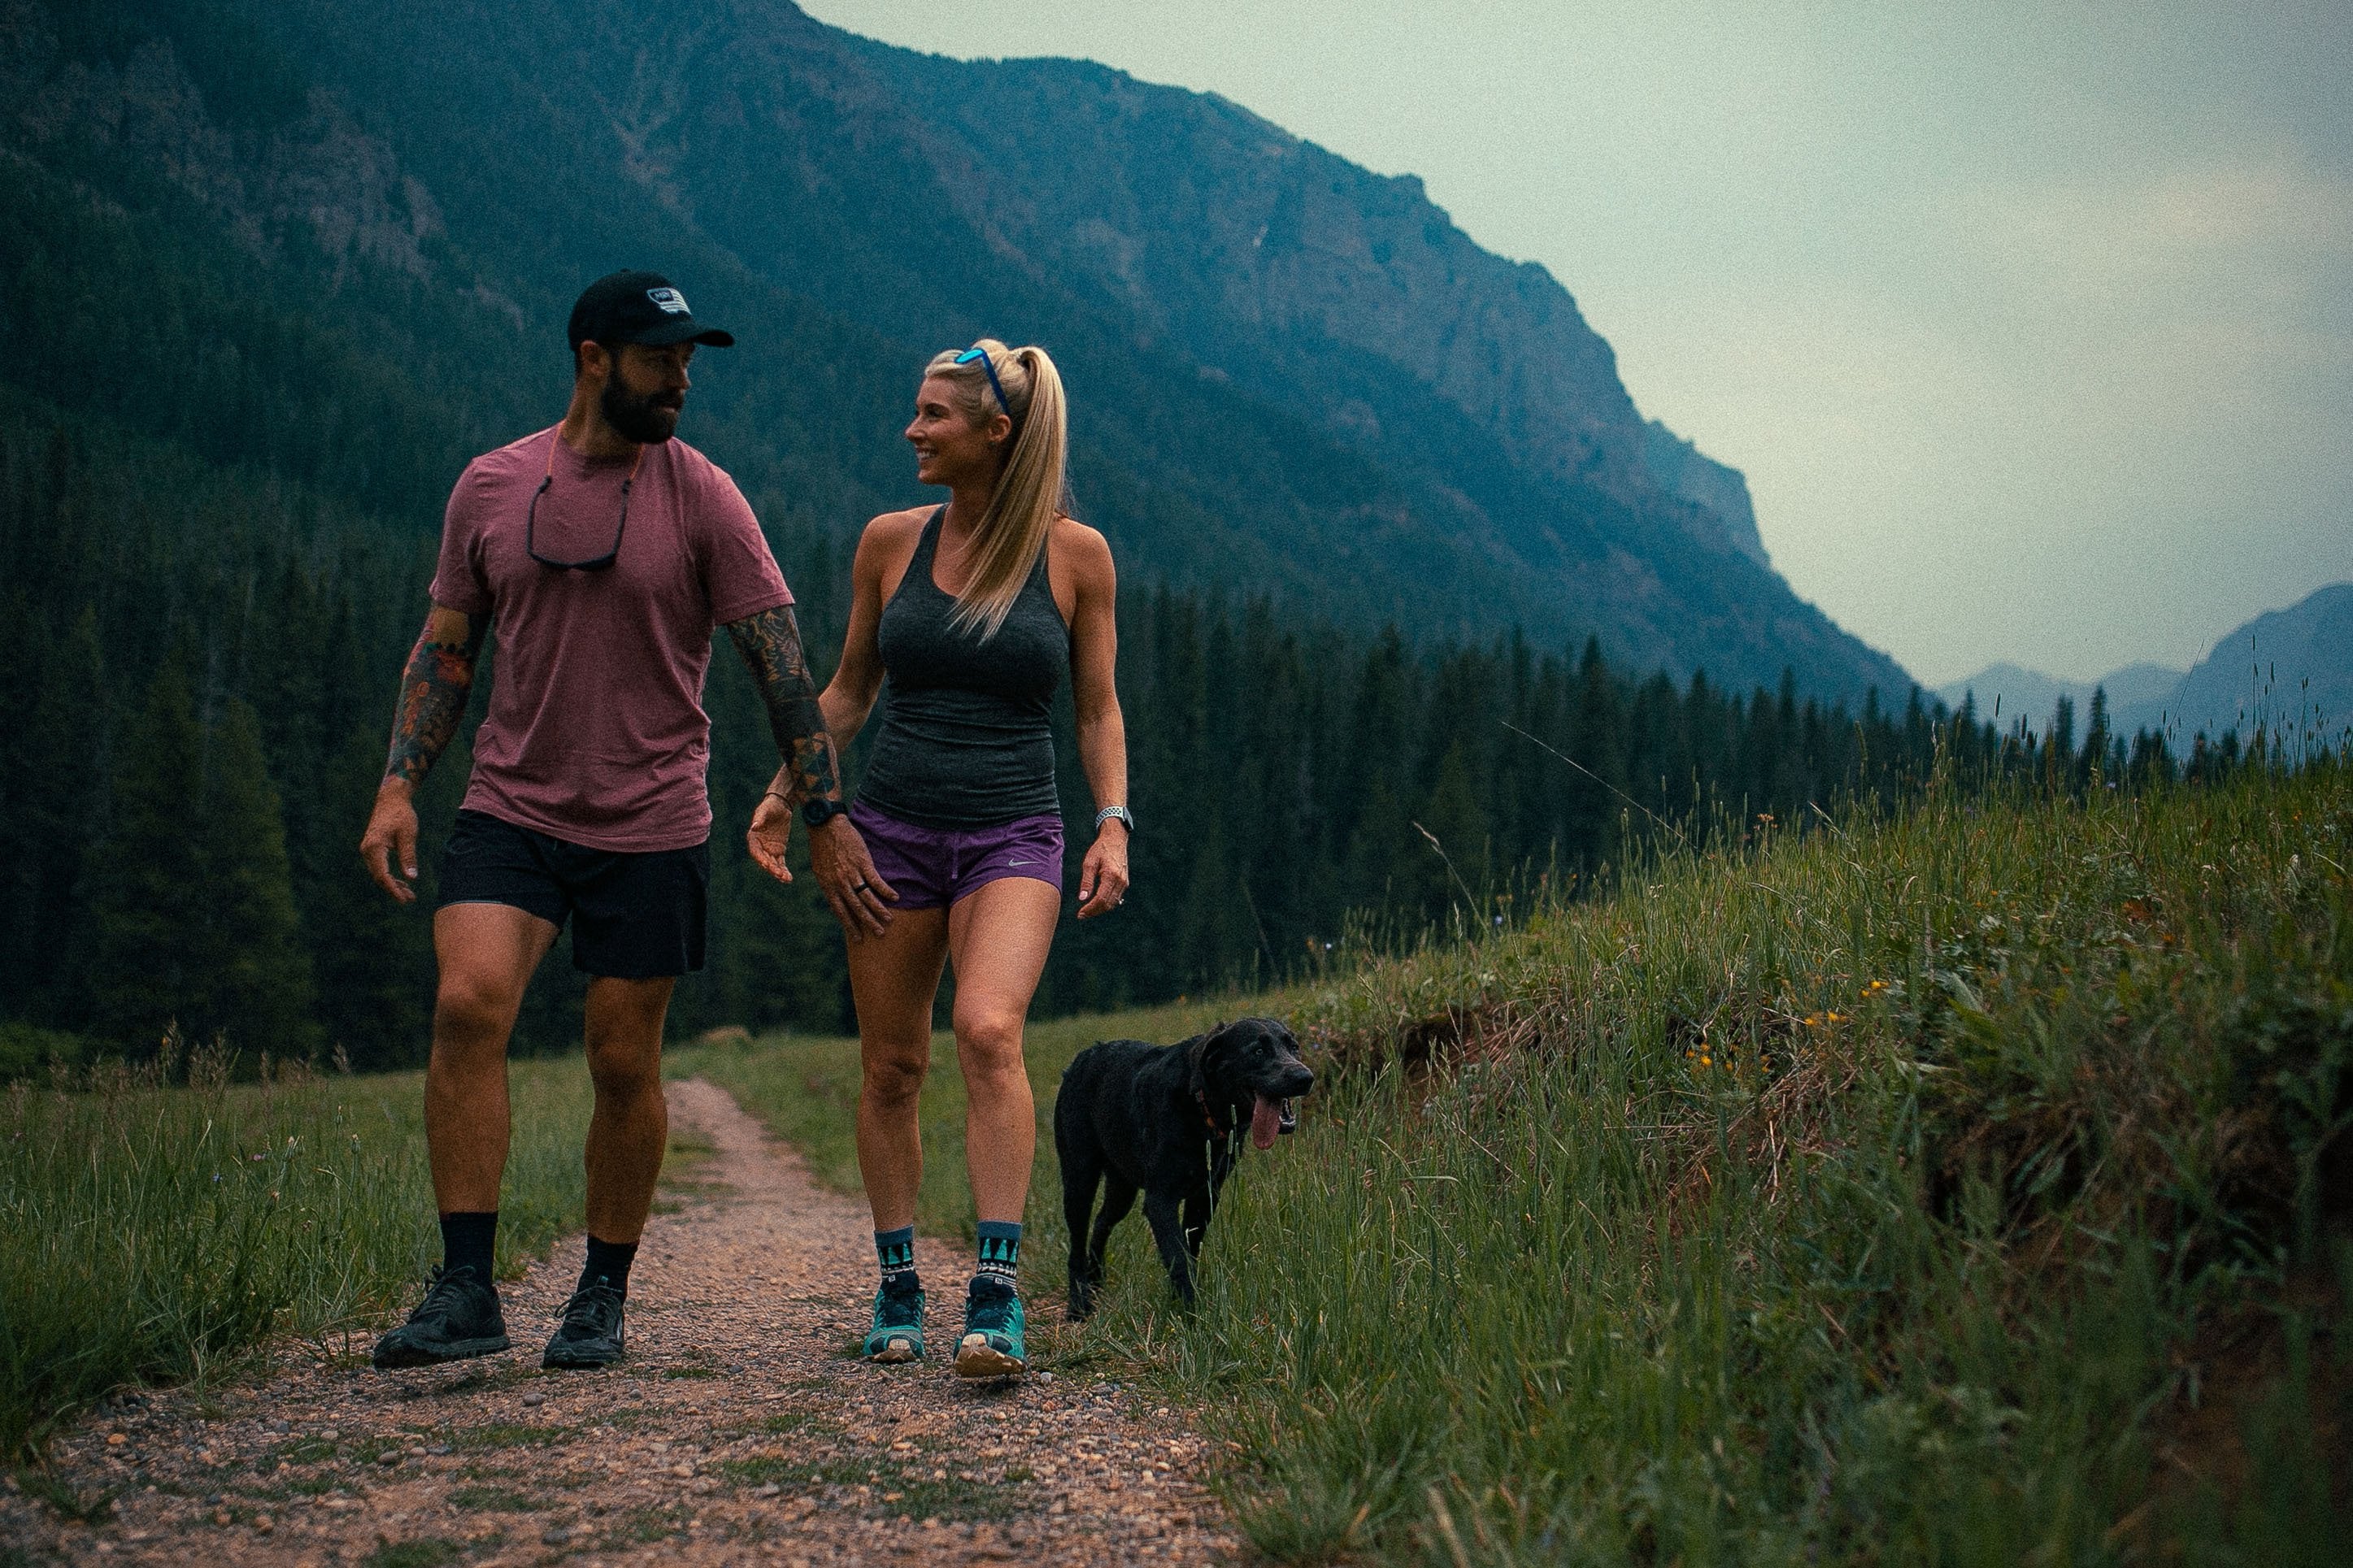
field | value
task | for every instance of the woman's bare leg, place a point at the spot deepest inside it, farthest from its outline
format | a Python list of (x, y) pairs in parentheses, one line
[(893, 980), (998, 937)]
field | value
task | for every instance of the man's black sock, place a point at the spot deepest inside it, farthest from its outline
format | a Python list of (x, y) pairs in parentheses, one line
[(608, 1261), (468, 1240)]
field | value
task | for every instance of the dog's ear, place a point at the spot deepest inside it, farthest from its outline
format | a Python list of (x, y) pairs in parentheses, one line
[(1196, 1056), (1197, 1060)]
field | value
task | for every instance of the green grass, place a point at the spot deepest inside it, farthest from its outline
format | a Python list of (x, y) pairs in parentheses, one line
[(906, 1489), (429, 1551), (1966, 1187), (160, 1234), (508, 1435)]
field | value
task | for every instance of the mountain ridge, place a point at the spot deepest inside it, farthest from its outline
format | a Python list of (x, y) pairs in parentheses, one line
[(805, 182), (2237, 686)]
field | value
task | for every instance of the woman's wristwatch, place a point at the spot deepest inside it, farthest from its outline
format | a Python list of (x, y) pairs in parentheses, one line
[(819, 811), (1125, 817)]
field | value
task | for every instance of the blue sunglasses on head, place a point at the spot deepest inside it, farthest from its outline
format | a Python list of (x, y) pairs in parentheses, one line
[(981, 354)]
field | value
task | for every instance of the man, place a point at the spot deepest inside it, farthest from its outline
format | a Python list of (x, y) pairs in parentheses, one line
[(604, 552)]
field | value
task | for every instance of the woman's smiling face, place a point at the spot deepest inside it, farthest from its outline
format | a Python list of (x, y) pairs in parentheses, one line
[(950, 445)]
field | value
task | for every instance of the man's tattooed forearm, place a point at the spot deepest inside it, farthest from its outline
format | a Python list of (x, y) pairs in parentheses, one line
[(770, 643), (433, 691), (814, 773)]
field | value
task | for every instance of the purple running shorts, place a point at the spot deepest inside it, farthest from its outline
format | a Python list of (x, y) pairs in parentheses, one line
[(930, 867)]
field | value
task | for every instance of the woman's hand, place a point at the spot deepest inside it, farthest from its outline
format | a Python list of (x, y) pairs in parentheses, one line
[(770, 835), (845, 873), (1103, 878)]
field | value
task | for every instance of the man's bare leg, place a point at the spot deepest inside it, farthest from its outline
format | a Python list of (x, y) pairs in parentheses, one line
[(487, 953), (628, 1134), (630, 1127)]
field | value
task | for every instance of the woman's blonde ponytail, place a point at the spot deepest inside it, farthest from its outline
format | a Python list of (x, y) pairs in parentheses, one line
[(1029, 490)]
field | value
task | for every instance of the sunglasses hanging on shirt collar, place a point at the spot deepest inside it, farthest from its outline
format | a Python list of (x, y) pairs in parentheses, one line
[(530, 519)]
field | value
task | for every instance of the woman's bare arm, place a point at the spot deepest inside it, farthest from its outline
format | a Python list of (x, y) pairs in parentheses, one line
[(849, 697), (1094, 689)]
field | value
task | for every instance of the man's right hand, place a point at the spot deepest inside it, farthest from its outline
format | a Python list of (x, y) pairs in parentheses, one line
[(389, 846)]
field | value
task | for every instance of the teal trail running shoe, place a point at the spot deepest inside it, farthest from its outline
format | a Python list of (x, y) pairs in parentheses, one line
[(897, 1332), (991, 1346)]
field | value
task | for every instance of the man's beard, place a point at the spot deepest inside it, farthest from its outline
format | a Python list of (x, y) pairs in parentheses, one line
[(645, 420)]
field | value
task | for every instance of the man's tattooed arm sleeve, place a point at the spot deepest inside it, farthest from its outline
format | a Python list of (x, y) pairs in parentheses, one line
[(433, 691), (770, 643)]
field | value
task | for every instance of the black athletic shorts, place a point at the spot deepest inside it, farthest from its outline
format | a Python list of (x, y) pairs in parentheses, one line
[(634, 917)]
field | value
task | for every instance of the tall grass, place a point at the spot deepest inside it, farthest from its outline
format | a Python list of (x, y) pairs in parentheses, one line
[(155, 1233), (1962, 1186), (1966, 1185)]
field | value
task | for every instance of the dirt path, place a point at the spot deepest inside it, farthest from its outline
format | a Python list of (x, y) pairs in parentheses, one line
[(740, 1430)]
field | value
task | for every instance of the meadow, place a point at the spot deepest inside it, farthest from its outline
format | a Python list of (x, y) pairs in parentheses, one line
[(162, 1223), (1962, 1184)]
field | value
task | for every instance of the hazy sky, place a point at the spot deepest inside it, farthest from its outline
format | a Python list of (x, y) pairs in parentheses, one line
[(2031, 326)]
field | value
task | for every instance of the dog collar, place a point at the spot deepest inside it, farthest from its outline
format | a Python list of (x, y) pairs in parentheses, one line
[(1208, 1115)]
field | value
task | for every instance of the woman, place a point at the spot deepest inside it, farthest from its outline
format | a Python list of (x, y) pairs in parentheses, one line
[(953, 850)]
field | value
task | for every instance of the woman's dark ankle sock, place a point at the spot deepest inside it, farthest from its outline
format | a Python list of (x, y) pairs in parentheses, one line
[(895, 1251), (470, 1240), (1000, 1248), (608, 1261)]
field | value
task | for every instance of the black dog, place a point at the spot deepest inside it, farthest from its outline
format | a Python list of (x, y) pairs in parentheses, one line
[(1167, 1120)]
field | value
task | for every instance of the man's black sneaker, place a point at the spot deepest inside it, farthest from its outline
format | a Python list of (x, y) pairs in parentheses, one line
[(590, 1333), (457, 1319)]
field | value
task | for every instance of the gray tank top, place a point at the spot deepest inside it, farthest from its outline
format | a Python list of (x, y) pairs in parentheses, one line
[(966, 740)]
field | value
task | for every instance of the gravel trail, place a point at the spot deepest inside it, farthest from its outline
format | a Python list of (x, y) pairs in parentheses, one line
[(741, 1429)]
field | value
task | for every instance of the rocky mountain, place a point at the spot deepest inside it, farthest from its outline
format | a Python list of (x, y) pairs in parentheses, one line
[(2287, 671), (338, 242), (2137, 695), (1683, 470)]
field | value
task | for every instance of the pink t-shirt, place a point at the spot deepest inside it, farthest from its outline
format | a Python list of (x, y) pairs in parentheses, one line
[(597, 732)]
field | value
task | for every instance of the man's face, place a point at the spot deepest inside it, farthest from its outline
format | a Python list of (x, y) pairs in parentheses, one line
[(645, 388)]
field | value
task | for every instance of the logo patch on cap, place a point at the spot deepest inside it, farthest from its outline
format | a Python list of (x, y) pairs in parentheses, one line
[(670, 299)]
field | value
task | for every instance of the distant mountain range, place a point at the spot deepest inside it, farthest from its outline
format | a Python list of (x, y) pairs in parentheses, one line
[(2286, 671), (337, 243)]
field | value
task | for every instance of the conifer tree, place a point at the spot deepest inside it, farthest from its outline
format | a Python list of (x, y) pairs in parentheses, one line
[(255, 980), (147, 878), (191, 908), (371, 958)]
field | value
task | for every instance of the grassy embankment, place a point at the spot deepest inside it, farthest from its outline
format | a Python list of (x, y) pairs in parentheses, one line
[(157, 1234), (1968, 1185)]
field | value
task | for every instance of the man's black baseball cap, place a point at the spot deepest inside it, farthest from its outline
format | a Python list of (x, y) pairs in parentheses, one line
[(639, 308)]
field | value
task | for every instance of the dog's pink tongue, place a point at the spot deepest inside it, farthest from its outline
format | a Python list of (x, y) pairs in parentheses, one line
[(1266, 1120)]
